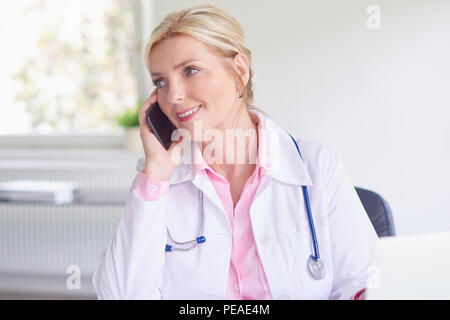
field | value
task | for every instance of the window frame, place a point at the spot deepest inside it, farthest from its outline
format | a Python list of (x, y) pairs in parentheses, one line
[(141, 8)]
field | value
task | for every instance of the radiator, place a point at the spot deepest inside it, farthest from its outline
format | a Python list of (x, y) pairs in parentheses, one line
[(39, 242), (47, 239)]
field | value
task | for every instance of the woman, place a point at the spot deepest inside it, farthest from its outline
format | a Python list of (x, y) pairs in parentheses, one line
[(250, 218)]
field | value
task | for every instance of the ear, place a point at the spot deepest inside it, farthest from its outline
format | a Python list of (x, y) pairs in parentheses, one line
[(240, 65)]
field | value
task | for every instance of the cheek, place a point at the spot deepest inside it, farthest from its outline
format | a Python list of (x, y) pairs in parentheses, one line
[(169, 113), (218, 91)]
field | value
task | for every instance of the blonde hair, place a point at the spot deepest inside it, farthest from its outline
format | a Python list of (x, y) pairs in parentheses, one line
[(212, 26)]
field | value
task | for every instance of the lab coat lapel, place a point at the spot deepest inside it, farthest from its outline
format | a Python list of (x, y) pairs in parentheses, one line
[(186, 172), (284, 162), (202, 182)]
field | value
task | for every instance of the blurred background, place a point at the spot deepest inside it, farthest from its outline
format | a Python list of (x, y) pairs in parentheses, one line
[(369, 80)]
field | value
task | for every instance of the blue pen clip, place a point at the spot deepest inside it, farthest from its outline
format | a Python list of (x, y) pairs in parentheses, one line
[(201, 239)]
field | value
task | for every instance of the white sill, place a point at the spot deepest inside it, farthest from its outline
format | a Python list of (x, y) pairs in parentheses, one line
[(61, 140), (21, 149)]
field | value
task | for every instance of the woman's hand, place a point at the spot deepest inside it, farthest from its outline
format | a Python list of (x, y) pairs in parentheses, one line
[(159, 162)]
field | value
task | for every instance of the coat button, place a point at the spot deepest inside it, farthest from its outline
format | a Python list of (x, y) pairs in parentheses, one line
[(267, 241), (236, 287), (153, 188)]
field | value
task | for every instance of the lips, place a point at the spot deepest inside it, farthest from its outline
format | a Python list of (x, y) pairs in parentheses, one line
[(187, 110)]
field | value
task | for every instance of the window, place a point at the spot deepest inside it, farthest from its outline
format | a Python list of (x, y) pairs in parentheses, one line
[(68, 67)]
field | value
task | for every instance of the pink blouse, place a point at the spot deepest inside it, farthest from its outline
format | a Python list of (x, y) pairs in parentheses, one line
[(246, 278)]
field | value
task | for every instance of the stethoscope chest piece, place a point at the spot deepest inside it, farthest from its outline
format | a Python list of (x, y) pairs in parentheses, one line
[(316, 267)]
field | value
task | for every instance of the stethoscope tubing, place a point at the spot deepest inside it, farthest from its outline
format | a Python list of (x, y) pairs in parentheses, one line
[(193, 243), (308, 210)]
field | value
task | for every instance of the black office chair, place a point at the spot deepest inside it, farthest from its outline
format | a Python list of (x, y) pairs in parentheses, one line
[(378, 211)]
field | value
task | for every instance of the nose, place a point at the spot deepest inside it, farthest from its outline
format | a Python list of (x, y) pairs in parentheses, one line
[(175, 92)]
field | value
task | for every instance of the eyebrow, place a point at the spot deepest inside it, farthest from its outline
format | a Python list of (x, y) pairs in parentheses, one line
[(176, 67)]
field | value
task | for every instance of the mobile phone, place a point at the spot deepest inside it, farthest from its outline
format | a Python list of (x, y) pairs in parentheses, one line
[(160, 125)]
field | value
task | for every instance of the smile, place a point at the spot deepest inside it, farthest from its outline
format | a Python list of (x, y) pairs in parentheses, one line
[(185, 116)]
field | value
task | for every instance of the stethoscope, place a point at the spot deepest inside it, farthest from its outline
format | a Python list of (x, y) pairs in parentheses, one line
[(315, 264)]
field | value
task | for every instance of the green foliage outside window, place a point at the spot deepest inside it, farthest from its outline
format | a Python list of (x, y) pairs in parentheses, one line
[(129, 118)]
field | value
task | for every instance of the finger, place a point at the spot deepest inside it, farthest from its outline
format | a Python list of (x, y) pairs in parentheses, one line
[(176, 150), (155, 92), (147, 105), (153, 98)]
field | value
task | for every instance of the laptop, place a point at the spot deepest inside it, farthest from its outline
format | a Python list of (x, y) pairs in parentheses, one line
[(415, 267)]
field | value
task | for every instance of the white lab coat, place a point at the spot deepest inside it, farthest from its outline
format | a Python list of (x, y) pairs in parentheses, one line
[(136, 266)]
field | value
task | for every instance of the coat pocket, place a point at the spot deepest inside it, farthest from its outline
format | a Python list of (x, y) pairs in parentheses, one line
[(302, 248)]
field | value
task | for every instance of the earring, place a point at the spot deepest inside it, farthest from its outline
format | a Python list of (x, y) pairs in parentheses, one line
[(240, 95)]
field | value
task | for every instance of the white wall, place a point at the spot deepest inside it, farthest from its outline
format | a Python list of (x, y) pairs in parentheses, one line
[(378, 98)]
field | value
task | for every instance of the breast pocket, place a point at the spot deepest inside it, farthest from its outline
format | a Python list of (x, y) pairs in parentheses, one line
[(302, 248)]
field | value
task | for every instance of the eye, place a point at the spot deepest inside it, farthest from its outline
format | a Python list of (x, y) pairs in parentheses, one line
[(156, 82), (190, 68)]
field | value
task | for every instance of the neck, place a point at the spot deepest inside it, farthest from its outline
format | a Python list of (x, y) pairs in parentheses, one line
[(234, 163)]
